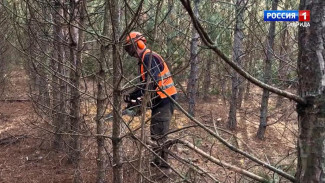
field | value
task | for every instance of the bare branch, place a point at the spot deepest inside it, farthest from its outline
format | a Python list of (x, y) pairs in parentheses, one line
[(207, 40), (223, 164), (231, 147)]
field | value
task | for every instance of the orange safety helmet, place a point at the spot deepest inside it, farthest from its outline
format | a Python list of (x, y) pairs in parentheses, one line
[(137, 38)]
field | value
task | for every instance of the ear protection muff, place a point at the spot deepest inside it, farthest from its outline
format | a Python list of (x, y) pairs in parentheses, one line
[(141, 44)]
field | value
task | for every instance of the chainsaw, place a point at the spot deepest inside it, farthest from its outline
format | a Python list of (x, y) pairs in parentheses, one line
[(132, 109)]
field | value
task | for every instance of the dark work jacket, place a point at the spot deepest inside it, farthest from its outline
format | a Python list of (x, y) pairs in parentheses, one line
[(156, 67)]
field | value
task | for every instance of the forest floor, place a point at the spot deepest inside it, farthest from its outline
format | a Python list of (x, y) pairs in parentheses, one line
[(26, 154)]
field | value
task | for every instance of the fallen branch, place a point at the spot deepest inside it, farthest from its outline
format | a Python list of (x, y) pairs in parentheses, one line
[(12, 139), (15, 100), (231, 147), (223, 164), (195, 167)]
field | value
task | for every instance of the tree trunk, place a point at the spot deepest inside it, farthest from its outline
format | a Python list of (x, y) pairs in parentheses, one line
[(45, 49), (267, 76), (117, 76), (76, 38), (246, 88), (102, 102), (250, 45), (32, 34), (283, 52), (170, 34), (237, 54), (311, 117), (192, 81), (4, 51), (58, 85), (241, 90), (38, 49), (282, 65), (207, 78)]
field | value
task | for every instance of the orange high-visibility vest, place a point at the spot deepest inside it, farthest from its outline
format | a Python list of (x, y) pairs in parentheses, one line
[(165, 81)]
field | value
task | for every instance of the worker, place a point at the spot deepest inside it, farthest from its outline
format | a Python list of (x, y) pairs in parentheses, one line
[(162, 108)]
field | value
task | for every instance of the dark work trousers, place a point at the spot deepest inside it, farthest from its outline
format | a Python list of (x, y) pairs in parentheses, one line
[(161, 117)]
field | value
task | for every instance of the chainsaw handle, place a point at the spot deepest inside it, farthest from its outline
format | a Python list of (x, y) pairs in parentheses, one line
[(127, 98)]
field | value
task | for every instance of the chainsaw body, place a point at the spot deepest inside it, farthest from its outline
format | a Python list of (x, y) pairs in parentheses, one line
[(132, 109)]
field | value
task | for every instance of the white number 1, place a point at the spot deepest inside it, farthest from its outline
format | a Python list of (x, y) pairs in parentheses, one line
[(305, 15)]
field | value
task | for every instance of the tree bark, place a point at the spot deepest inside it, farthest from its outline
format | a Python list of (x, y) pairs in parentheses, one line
[(102, 102), (192, 80), (237, 54), (32, 35), (58, 85), (207, 78), (284, 57), (267, 76), (241, 90), (170, 34), (117, 77), (282, 65), (76, 39), (248, 84), (311, 117), (4, 51), (250, 46), (44, 97)]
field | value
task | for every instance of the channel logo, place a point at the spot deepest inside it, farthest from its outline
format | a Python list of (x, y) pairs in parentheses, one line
[(287, 15)]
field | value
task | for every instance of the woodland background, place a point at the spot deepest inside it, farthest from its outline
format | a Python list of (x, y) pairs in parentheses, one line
[(250, 106)]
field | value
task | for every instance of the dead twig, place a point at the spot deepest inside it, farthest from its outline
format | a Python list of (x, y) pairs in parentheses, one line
[(221, 163), (12, 139)]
